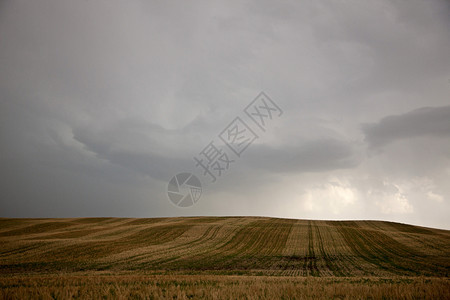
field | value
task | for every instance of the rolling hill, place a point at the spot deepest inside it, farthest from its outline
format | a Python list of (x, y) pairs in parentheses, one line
[(223, 246)]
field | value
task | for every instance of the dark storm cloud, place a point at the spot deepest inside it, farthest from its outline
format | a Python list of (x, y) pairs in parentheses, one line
[(427, 121), (145, 148)]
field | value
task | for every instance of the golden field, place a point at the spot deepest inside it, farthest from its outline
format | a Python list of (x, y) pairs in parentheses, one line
[(221, 258)]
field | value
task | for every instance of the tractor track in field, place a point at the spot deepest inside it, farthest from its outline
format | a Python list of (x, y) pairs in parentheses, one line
[(224, 245)]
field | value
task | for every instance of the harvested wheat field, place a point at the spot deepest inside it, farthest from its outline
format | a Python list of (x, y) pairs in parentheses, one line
[(221, 258)]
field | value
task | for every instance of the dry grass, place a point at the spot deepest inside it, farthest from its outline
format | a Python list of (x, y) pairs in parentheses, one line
[(220, 287), (201, 256)]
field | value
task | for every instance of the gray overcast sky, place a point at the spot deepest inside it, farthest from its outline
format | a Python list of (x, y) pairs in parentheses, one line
[(102, 102)]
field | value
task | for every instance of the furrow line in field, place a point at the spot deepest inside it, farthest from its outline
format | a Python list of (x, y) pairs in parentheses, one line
[(347, 261), (89, 252), (247, 247), (311, 259), (370, 252), (401, 250), (295, 248), (169, 252), (204, 252), (382, 250), (428, 244), (406, 257), (329, 259), (240, 246), (363, 266), (227, 229)]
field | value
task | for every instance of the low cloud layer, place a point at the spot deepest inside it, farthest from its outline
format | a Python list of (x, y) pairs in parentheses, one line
[(101, 103), (422, 122)]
